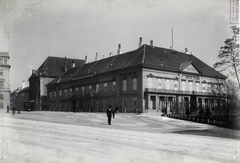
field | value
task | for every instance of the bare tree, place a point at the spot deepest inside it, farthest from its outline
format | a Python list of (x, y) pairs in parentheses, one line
[(232, 97), (229, 55)]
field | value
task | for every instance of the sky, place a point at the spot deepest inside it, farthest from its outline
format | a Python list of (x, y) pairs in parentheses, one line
[(32, 30)]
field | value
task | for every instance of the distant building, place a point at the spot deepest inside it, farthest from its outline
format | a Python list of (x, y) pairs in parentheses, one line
[(148, 79), (4, 80), (48, 71), (20, 98)]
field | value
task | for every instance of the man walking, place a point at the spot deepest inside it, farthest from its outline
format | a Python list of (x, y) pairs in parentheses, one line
[(13, 109), (109, 114)]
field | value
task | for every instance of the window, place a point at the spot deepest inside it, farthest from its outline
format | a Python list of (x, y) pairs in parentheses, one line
[(1, 61), (90, 88), (50, 94), (183, 85), (1, 96), (204, 87), (83, 90), (149, 82), (134, 83), (70, 89), (134, 101), (1, 72), (175, 85), (97, 88), (209, 87), (76, 89), (1, 84), (105, 87), (124, 102), (104, 103), (60, 92), (124, 85), (159, 81), (1, 105), (190, 85), (167, 84), (97, 104), (114, 86), (54, 93), (197, 86)]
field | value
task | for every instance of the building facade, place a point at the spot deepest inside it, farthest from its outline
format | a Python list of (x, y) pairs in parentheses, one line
[(20, 98), (48, 71), (4, 80), (148, 79)]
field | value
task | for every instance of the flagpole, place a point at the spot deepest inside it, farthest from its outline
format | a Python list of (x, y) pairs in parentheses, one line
[(172, 38)]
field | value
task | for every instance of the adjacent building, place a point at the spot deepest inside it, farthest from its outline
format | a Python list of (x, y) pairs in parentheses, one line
[(48, 71), (20, 98), (148, 79), (4, 80)]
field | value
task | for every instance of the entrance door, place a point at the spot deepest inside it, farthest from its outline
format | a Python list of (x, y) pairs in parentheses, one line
[(74, 106), (153, 102), (186, 103), (193, 103)]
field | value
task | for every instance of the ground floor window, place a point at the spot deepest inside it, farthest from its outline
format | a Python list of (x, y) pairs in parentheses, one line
[(124, 102), (1, 105), (134, 101)]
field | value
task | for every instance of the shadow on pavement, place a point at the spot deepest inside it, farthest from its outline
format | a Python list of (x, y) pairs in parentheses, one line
[(207, 132)]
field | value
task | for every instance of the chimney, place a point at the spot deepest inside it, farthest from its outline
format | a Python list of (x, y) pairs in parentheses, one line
[(96, 58), (140, 42), (73, 63), (110, 54), (23, 84), (119, 49), (151, 43), (65, 65), (103, 56), (85, 59), (186, 50)]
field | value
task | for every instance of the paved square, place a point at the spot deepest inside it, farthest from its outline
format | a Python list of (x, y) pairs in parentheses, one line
[(57, 137)]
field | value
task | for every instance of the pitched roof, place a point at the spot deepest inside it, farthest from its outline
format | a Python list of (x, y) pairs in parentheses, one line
[(55, 66), (20, 89), (148, 56)]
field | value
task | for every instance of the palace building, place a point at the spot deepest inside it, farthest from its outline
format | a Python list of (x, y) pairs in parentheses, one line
[(48, 71), (148, 79), (4, 80)]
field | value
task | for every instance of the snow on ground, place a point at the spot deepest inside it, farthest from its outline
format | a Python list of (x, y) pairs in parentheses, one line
[(57, 137)]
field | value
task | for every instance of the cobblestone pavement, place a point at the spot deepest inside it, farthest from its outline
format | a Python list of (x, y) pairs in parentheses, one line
[(57, 137)]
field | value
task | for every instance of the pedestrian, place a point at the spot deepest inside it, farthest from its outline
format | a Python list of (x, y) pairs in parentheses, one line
[(109, 114), (7, 108), (13, 109)]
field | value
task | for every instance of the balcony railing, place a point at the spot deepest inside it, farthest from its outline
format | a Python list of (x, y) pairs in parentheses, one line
[(181, 92)]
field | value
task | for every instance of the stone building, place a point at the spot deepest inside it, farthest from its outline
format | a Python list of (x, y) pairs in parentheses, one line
[(48, 71), (4, 80), (148, 79), (20, 97)]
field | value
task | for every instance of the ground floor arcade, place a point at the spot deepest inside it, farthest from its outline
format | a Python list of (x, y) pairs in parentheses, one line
[(186, 104)]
